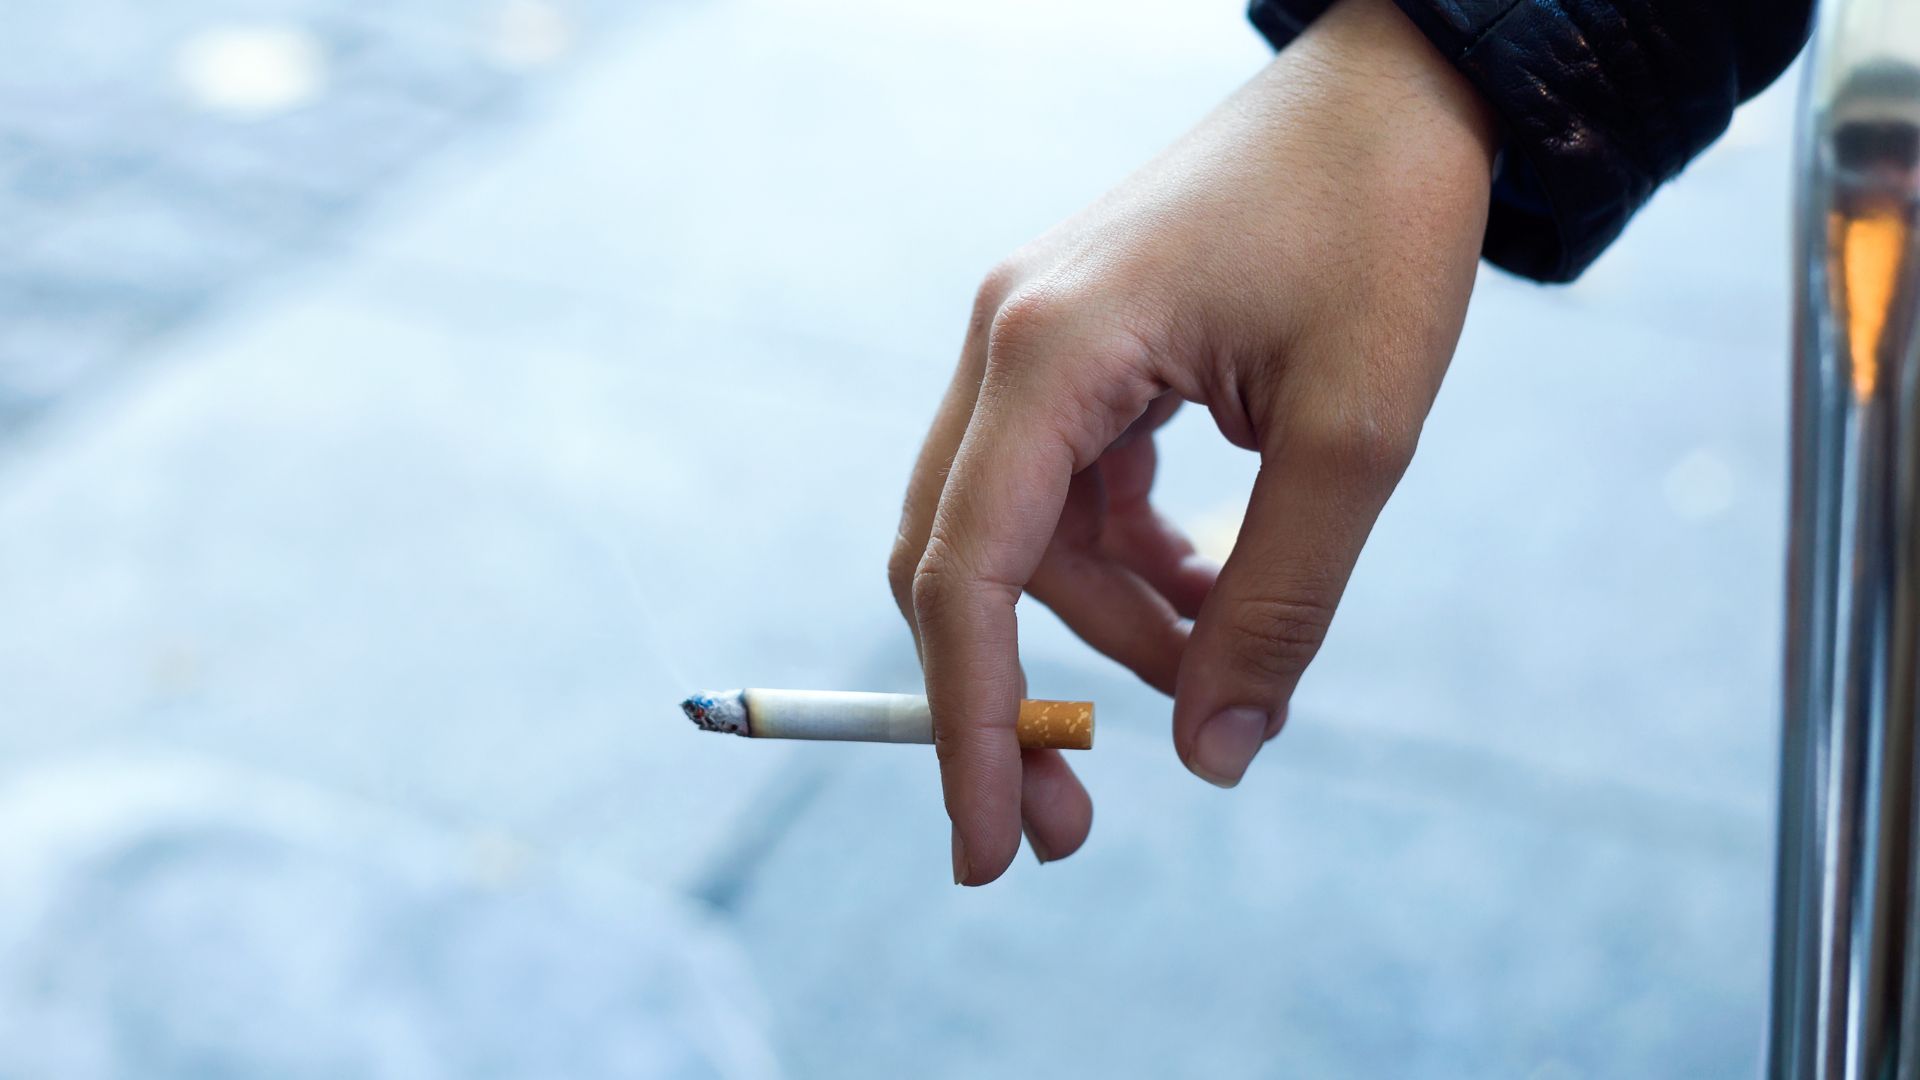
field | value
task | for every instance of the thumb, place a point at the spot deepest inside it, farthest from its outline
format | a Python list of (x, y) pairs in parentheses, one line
[(1321, 485)]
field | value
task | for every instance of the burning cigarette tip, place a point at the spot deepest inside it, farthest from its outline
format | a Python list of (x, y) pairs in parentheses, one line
[(724, 711)]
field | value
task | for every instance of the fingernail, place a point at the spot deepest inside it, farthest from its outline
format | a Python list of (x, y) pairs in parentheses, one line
[(960, 867), (1226, 743), (1039, 850)]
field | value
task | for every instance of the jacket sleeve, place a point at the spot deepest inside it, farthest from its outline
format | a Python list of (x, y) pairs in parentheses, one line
[(1600, 101)]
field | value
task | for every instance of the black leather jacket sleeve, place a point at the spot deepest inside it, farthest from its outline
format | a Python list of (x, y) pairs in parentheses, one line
[(1600, 101)]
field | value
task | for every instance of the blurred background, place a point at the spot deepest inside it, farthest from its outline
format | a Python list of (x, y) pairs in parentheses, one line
[(403, 405)]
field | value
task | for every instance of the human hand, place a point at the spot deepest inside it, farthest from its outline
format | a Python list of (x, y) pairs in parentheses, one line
[(1299, 264)]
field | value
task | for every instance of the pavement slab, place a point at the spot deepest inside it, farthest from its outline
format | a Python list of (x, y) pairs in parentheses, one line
[(619, 401)]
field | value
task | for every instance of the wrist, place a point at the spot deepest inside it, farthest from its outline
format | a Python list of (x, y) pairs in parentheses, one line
[(1383, 57)]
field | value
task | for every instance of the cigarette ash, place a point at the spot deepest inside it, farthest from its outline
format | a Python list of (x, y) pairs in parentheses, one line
[(725, 712)]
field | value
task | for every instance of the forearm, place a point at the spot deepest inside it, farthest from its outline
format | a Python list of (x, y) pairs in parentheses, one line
[(1600, 101)]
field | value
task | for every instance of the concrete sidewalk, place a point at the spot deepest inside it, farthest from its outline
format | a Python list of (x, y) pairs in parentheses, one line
[(620, 402)]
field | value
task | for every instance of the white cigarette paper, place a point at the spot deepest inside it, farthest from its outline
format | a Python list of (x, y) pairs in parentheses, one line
[(839, 717)]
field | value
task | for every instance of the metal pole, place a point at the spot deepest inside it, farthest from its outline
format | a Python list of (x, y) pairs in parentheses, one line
[(1846, 977)]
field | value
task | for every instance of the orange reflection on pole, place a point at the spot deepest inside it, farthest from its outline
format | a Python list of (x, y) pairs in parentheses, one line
[(1870, 250)]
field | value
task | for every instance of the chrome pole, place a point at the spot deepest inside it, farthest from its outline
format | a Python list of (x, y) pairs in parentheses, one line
[(1846, 973)]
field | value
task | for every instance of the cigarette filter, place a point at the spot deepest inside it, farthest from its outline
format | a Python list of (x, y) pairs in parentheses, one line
[(849, 716)]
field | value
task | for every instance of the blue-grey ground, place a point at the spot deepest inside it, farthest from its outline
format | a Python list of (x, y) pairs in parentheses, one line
[(612, 395)]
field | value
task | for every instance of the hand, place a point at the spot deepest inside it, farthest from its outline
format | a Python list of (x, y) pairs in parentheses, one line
[(1299, 264)]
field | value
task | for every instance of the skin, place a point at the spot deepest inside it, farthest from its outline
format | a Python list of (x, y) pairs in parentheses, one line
[(1299, 265)]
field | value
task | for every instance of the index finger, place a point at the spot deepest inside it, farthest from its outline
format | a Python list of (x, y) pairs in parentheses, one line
[(997, 515)]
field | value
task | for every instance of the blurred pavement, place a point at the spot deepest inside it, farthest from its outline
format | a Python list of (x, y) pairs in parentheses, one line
[(618, 401)]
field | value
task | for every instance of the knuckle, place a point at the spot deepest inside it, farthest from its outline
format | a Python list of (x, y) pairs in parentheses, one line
[(1023, 319), (1079, 355), (1102, 332), (900, 567), (932, 585), (1367, 444), (1277, 636), (993, 292)]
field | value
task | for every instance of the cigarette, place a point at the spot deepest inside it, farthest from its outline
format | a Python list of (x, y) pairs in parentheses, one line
[(848, 716)]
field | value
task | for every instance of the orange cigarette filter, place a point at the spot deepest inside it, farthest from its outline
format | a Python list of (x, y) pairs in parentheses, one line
[(1056, 725)]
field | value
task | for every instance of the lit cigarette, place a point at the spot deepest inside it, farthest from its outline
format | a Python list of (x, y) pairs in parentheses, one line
[(846, 716)]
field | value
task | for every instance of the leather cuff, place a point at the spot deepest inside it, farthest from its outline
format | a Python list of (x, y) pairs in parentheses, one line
[(1280, 21), (1600, 102)]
